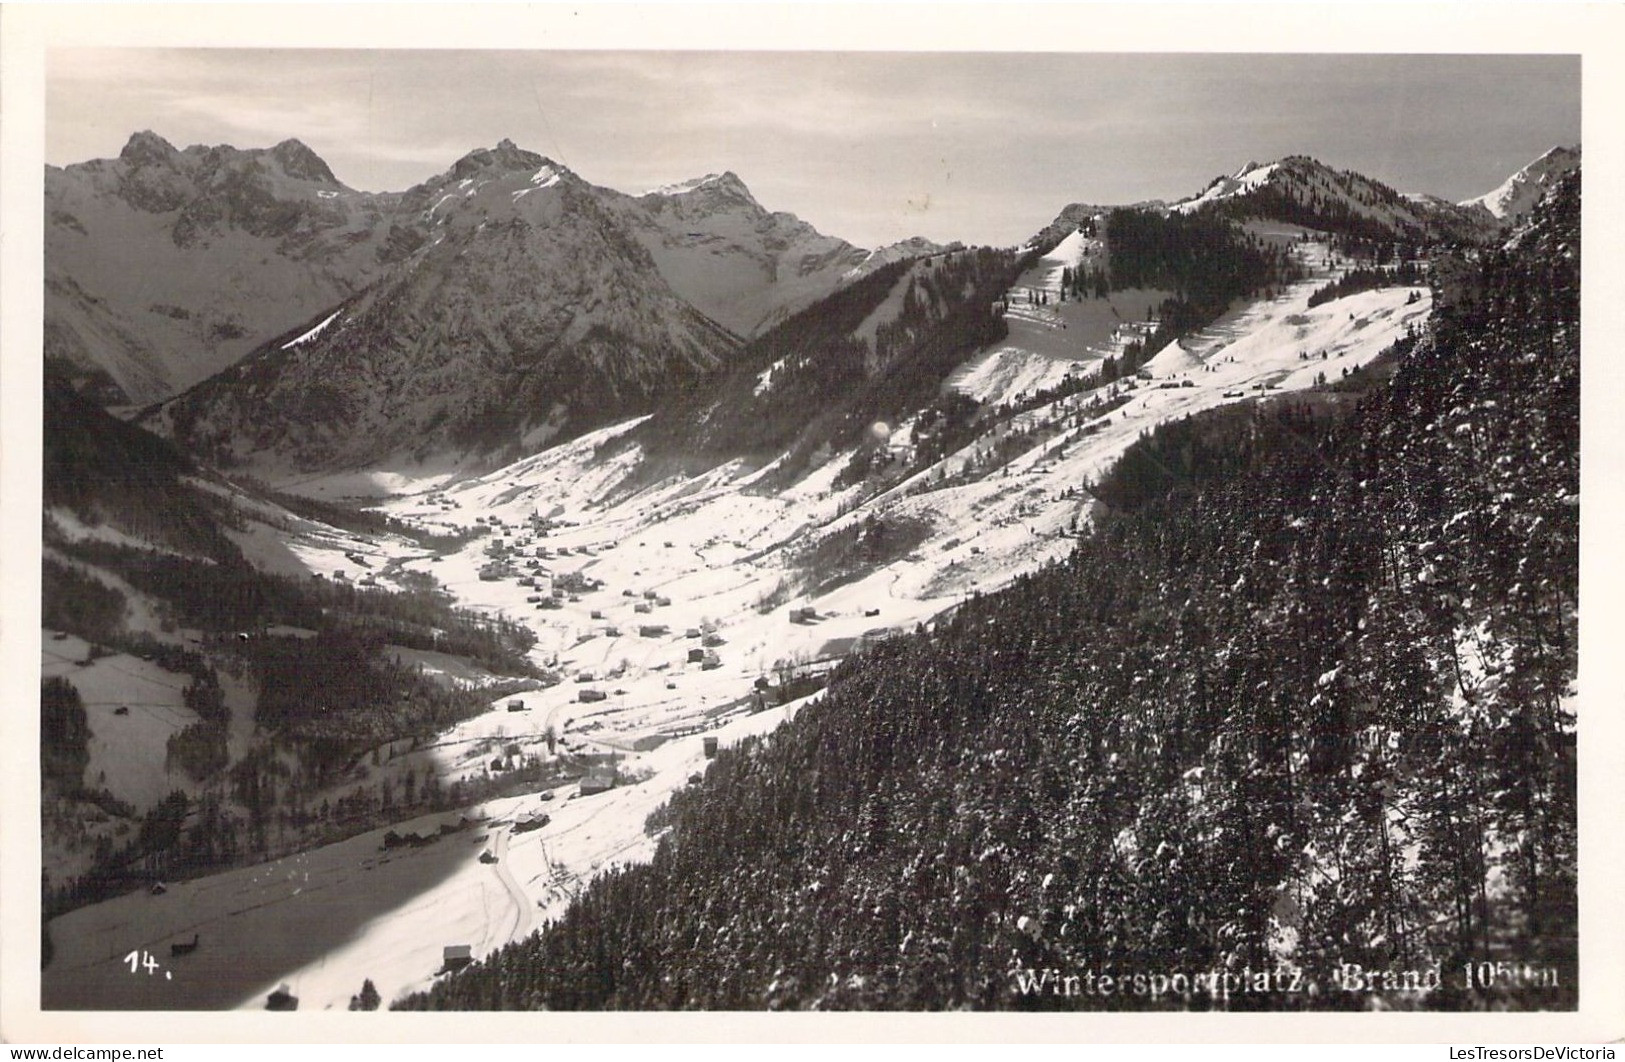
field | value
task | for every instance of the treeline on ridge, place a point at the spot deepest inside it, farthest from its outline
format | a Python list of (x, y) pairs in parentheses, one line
[(824, 384)]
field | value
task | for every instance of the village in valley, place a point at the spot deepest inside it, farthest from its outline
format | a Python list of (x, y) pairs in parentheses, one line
[(670, 620)]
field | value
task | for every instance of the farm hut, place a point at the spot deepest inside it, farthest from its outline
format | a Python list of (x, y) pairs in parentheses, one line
[(589, 696), (710, 744), (457, 956), (696, 656), (516, 705)]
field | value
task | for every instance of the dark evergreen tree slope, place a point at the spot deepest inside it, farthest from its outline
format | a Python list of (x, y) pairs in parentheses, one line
[(1205, 259), (1289, 714), (1303, 191), (322, 698), (107, 471)]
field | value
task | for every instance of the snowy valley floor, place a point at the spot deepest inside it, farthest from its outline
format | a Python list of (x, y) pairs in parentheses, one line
[(725, 556)]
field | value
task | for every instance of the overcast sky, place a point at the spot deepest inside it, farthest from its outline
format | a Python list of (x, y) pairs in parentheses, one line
[(871, 147)]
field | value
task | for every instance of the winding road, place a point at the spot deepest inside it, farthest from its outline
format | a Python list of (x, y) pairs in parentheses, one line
[(524, 918)]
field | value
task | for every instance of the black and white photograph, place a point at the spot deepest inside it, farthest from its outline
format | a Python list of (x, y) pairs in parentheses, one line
[(1033, 526)]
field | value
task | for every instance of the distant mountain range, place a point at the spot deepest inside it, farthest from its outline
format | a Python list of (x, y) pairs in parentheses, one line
[(165, 266), (162, 266), (268, 315)]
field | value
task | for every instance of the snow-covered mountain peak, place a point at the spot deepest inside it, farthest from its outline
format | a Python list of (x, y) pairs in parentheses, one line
[(1247, 179), (913, 247), (714, 189), (680, 187), (1520, 192)]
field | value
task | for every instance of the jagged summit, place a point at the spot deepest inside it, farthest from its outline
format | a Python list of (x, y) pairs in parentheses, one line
[(147, 148), (1518, 194), (147, 256), (294, 157), (298, 160), (504, 157)]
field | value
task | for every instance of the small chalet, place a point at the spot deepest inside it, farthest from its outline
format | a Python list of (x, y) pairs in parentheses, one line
[(598, 780)]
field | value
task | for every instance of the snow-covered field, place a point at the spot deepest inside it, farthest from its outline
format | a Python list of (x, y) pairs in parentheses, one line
[(681, 566), (126, 748)]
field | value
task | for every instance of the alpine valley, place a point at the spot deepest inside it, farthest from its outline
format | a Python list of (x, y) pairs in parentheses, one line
[(514, 593)]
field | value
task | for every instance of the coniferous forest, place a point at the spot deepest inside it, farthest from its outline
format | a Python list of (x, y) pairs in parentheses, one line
[(1291, 722)]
